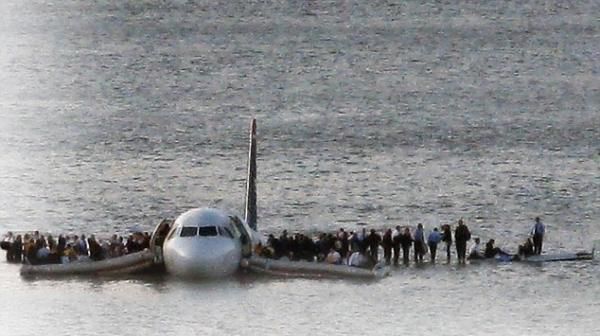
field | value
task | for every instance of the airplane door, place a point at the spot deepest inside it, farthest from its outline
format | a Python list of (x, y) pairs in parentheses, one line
[(244, 236)]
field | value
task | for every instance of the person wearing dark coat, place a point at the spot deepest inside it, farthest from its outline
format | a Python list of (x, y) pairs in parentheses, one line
[(491, 251), (526, 249), (162, 235), (307, 248), (419, 243), (17, 249), (461, 236), (131, 246), (294, 247), (96, 252), (406, 241), (387, 244), (537, 233), (283, 249), (447, 238), (31, 252), (373, 241), (396, 244), (343, 237), (60, 247)]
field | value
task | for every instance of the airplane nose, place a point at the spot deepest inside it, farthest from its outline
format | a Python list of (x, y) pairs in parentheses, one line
[(197, 257)]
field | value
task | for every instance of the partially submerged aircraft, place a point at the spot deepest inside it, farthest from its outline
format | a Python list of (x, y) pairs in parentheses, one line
[(215, 243), (209, 242)]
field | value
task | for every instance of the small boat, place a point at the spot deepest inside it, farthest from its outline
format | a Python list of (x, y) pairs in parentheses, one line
[(129, 263), (307, 269)]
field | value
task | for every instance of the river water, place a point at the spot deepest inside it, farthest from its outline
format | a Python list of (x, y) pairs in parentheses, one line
[(116, 114)]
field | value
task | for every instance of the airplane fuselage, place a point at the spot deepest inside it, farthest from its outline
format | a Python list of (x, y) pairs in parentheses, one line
[(205, 242)]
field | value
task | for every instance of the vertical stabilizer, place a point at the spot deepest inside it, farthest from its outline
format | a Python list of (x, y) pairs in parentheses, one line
[(251, 215)]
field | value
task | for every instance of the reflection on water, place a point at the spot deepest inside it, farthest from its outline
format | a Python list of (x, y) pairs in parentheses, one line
[(464, 299)]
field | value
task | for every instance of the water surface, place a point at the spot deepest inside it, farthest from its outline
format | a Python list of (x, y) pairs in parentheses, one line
[(120, 113)]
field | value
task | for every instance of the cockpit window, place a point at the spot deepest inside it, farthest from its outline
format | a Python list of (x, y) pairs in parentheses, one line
[(189, 231), (206, 231), (225, 232)]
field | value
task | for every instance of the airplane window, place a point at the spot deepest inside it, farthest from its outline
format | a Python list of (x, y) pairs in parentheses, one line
[(189, 231), (223, 231), (207, 231)]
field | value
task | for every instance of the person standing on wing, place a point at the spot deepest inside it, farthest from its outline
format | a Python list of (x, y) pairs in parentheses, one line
[(538, 231), (461, 236), (432, 240), (447, 238), (387, 244), (405, 241), (396, 237), (419, 242)]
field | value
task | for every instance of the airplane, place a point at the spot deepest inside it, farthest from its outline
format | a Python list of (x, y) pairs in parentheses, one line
[(211, 242)]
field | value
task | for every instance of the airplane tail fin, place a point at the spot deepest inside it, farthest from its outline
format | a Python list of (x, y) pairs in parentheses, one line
[(251, 215)]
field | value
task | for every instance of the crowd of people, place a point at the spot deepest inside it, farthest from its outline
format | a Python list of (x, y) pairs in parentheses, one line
[(36, 249), (362, 248), (354, 248)]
